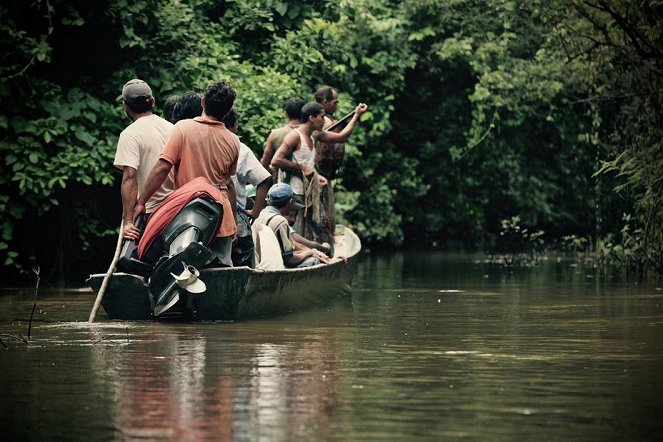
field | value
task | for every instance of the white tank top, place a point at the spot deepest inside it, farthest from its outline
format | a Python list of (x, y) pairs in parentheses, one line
[(304, 155)]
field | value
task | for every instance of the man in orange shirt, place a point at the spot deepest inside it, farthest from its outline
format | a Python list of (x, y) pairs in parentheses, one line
[(203, 147)]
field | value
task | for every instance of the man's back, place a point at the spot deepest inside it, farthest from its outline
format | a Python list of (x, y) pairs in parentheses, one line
[(268, 251), (139, 146), (272, 218), (202, 147), (274, 141), (277, 135)]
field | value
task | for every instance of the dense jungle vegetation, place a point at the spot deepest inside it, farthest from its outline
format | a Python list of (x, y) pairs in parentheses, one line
[(485, 115)]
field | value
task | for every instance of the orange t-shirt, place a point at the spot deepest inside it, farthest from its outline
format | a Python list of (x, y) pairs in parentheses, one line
[(204, 147)]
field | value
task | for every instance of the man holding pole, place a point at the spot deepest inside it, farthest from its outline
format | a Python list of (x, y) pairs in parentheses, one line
[(296, 157), (138, 149), (328, 155)]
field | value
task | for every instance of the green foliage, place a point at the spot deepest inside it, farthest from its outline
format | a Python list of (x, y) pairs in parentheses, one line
[(517, 244), (630, 252), (253, 23), (477, 111), (574, 244), (51, 140)]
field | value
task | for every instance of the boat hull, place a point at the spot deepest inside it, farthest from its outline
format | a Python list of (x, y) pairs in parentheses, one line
[(240, 293)]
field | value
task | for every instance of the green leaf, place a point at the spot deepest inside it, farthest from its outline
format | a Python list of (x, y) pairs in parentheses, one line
[(85, 137), (34, 158), (281, 8)]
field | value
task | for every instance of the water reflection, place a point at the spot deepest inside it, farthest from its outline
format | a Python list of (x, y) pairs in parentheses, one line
[(156, 384), (168, 381), (431, 347)]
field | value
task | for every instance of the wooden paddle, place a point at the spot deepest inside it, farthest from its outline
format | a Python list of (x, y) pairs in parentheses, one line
[(109, 273)]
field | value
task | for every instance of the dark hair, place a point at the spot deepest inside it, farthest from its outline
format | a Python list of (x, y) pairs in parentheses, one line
[(219, 99), (280, 204), (169, 107), (140, 106), (231, 119), (293, 108), (188, 106), (324, 93), (310, 109)]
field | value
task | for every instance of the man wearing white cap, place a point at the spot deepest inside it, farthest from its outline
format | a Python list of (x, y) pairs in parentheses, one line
[(138, 149)]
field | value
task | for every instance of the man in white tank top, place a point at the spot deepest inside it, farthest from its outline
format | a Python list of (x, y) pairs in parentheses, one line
[(296, 158)]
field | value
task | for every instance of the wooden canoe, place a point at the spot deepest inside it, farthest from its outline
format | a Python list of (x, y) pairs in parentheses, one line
[(237, 293)]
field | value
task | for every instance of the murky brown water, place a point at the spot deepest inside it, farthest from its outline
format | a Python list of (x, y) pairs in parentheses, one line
[(431, 347)]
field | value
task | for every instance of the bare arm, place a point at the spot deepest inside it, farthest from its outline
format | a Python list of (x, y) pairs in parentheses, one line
[(299, 256), (280, 160), (232, 196), (129, 191), (298, 239), (261, 194), (268, 153), (154, 181), (333, 137)]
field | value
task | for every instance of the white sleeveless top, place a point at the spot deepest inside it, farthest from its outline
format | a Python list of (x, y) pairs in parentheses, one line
[(304, 155)]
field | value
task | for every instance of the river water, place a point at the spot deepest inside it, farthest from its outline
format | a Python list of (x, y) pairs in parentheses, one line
[(431, 346)]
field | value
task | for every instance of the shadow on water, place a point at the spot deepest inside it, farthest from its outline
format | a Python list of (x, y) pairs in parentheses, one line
[(432, 346)]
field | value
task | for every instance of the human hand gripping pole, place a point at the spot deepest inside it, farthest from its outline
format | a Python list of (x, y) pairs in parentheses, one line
[(360, 109)]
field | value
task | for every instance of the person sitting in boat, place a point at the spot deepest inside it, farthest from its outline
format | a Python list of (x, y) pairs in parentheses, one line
[(298, 239), (281, 202), (249, 171)]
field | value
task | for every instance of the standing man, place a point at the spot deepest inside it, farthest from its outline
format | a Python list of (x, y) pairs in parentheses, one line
[(138, 150), (293, 112), (203, 147), (329, 156), (296, 157)]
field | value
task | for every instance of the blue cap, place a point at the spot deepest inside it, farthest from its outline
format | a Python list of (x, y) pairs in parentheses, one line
[(279, 195)]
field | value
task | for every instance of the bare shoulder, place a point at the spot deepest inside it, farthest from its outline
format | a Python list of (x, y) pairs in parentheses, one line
[(291, 140)]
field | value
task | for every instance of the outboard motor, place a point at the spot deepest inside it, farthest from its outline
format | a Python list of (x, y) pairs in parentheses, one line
[(176, 253), (198, 221)]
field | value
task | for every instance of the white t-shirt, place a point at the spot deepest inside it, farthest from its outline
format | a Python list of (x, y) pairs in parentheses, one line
[(249, 171), (139, 147)]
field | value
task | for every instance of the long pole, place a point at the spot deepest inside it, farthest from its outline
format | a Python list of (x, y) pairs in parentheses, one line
[(109, 273), (341, 121)]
